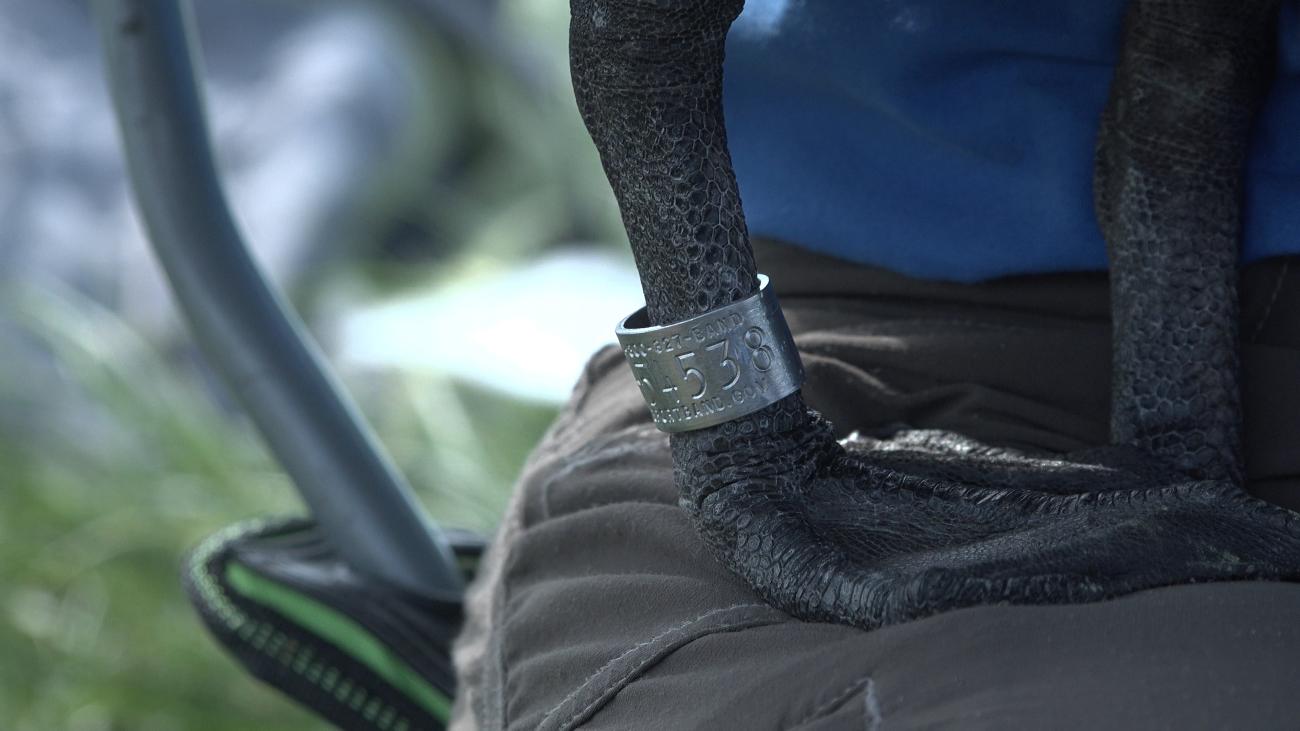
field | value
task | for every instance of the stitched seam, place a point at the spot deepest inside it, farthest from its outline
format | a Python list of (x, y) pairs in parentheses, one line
[(633, 672), (1272, 300), (602, 506), (835, 702), (676, 628)]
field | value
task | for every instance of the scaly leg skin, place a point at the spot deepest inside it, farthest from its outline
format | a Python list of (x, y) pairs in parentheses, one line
[(926, 522)]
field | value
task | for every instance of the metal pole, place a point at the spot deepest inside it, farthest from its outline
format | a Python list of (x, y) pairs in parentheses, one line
[(254, 341)]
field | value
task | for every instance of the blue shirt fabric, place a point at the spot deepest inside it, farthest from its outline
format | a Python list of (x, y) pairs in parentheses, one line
[(950, 139)]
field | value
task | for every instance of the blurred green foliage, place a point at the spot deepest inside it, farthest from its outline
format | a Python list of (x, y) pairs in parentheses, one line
[(95, 631), (98, 504)]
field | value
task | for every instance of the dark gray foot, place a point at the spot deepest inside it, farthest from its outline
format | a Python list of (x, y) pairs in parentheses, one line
[(887, 531)]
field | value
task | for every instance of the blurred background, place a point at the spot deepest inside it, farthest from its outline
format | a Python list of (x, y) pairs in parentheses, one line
[(395, 165)]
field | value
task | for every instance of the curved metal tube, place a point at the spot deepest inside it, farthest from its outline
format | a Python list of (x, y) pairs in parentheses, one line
[(253, 340)]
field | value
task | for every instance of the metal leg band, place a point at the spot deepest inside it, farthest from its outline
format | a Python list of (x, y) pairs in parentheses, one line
[(716, 367)]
